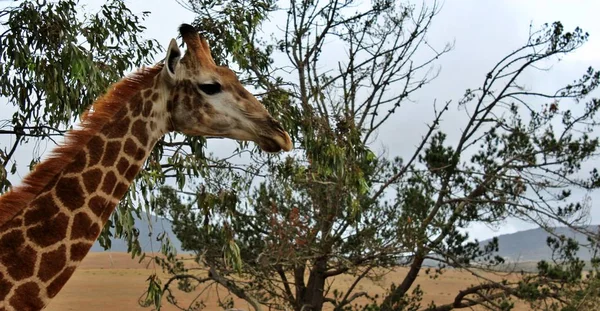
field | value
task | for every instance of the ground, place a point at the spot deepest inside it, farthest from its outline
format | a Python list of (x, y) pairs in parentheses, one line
[(113, 281)]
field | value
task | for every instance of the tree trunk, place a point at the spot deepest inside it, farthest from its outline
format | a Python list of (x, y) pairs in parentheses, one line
[(313, 299), (391, 301), (300, 287)]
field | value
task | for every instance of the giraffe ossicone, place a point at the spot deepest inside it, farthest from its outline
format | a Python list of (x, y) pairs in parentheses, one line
[(49, 222)]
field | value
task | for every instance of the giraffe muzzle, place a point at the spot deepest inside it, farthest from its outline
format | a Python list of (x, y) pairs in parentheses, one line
[(271, 136), (278, 141)]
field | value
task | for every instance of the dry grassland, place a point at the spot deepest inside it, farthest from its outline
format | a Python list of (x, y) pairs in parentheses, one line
[(113, 281)]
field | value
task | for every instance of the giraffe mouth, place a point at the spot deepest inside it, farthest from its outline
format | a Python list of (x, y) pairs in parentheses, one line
[(275, 143)]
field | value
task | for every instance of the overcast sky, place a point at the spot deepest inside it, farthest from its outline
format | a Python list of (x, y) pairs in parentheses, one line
[(482, 31)]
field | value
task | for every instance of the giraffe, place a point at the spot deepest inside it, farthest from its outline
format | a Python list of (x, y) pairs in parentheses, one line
[(49, 222)]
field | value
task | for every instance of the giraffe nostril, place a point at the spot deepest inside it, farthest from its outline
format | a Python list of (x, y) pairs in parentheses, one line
[(270, 135), (272, 124)]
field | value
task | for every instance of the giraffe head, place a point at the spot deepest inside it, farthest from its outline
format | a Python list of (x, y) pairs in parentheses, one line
[(208, 100)]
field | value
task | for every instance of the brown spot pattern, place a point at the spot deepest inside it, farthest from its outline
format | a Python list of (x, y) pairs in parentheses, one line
[(106, 213), (140, 154), (121, 113), (120, 190), (84, 227), (26, 297), (98, 205), (109, 182), (13, 223), (59, 282), (135, 105), (21, 263), (51, 183), (113, 149), (91, 179), (52, 263), (148, 106), (49, 231), (41, 208), (96, 149), (170, 105), (70, 193), (122, 165), (130, 147), (16, 256), (4, 287), (79, 250), (11, 241), (140, 132), (132, 171), (118, 128), (78, 163)]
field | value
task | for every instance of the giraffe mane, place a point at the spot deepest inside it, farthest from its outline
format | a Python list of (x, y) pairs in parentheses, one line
[(104, 108)]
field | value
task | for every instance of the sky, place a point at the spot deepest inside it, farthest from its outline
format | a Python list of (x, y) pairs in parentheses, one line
[(482, 33)]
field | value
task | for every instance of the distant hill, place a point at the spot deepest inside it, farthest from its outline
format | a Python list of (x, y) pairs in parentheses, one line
[(522, 246), (149, 231), (530, 245)]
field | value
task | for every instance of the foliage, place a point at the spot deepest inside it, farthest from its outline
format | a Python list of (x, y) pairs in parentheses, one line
[(55, 61), (56, 58), (275, 230), (287, 225)]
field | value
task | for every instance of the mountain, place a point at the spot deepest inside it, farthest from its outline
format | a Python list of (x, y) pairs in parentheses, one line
[(530, 245), (522, 246), (150, 228)]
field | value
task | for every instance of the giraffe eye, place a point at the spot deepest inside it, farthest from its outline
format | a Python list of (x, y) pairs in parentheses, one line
[(210, 88)]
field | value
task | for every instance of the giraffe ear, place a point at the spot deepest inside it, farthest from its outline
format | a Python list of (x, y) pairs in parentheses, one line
[(172, 60)]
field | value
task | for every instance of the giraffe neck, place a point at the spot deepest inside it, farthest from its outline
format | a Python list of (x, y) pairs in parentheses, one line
[(42, 245)]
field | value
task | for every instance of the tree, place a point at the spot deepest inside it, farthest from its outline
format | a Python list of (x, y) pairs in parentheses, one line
[(56, 58), (275, 231), (333, 207)]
